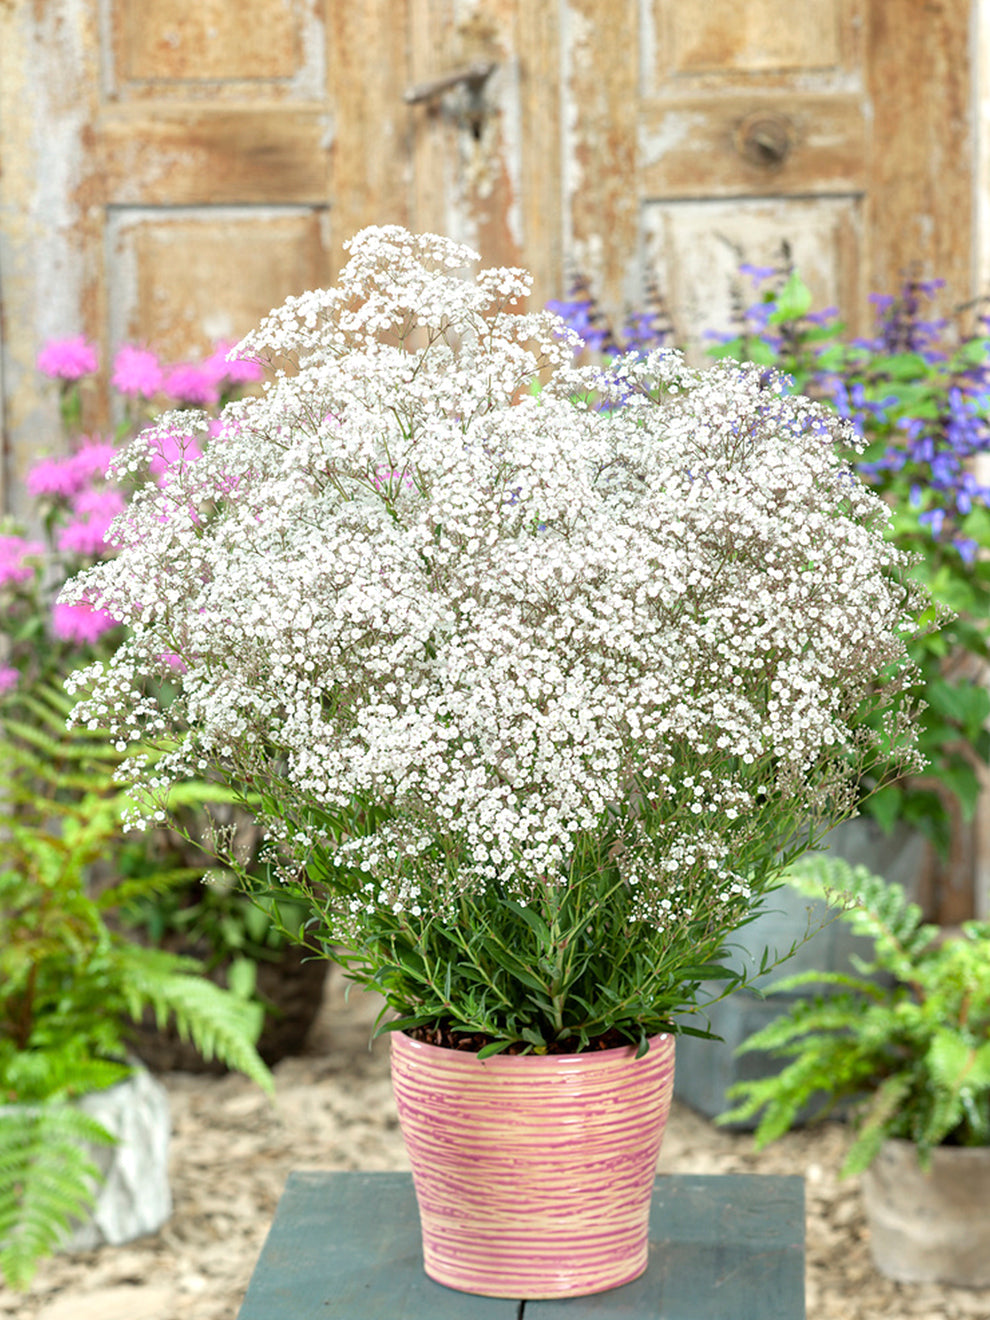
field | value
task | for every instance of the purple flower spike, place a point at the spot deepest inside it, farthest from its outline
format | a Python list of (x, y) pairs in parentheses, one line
[(933, 518), (967, 548), (758, 274)]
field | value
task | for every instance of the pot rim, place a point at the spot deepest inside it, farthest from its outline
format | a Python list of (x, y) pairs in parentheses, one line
[(582, 1059), (903, 1144)]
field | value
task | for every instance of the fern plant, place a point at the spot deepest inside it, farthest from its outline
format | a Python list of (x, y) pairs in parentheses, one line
[(70, 983), (913, 1054)]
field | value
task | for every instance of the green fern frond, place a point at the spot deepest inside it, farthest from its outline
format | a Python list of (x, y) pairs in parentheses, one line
[(47, 1179), (875, 909), (57, 1069), (886, 1104), (220, 1024), (153, 885), (805, 1017), (812, 976)]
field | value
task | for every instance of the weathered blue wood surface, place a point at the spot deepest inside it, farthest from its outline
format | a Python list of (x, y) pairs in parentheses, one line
[(727, 1247), (345, 1246)]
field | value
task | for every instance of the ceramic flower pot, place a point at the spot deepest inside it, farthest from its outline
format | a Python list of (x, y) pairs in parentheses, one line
[(930, 1226), (533, 1174)]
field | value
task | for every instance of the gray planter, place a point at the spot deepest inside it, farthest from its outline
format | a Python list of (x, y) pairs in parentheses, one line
[(134, 1197), (934, 1226), (707, 1068)]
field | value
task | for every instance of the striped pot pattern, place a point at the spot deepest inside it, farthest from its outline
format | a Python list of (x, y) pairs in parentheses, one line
[(533, 1174)]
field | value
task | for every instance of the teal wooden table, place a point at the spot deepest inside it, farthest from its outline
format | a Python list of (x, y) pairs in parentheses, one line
[(345, 1246)]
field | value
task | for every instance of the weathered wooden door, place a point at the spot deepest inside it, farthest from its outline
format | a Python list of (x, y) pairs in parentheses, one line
[(705, 132), (172, 170)]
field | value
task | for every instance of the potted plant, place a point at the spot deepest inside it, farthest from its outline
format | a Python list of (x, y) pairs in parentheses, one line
[(541, 676), (907, 1042), (83, 1131)]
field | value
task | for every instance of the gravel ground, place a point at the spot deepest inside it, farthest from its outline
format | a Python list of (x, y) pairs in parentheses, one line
[(232, 1151)]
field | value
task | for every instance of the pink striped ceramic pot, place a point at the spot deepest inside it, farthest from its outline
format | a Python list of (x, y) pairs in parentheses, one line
[(533, 1174)]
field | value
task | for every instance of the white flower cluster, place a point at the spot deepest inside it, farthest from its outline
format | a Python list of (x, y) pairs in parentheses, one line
[(438, 570)]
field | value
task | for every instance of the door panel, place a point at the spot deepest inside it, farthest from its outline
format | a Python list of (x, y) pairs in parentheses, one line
[(767, 37), (695, 249), (845, 134), (187, 48), (167, 266)]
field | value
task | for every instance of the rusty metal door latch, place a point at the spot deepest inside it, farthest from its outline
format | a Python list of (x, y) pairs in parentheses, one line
[(765, 139), (472, 77)]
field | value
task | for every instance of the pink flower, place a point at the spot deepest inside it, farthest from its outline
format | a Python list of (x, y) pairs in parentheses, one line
[(93, 456), (81, 623), (87, 535), (193, 383), (173, 451), (238, 371), (9, 678), (68, 359), (53, 476), (174, 661), (62, 478), (136, 371), (14, 550)]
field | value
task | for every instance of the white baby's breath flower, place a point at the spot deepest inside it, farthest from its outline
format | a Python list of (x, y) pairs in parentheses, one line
[(401, 577)]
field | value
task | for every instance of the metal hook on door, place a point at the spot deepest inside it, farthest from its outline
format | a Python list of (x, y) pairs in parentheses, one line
[(472, 77)]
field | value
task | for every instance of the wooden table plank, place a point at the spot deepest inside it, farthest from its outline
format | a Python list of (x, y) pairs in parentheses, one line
[(346, 1246), (722, 1247)]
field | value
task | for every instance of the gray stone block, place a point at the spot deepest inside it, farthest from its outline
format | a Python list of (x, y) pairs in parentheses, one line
[(134, 1197)]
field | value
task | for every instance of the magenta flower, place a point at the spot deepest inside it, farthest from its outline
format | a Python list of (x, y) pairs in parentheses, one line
[(192, 383), (237, 371), (54, 476), (92, 458), (87, 535), (68, 359), (14, 550), (81, 623), (136, 371), (62, 478), (9, 678)]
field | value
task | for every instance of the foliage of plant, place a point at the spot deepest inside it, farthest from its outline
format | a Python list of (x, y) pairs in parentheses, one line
[(41, 641), (69, 981), (540, 673), (913, 1052), (916, 392)]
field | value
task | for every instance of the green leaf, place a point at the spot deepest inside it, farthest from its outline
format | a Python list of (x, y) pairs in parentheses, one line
[(533, 920), (516, 969), (885, 806), (494, 1047), (793, 301)]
